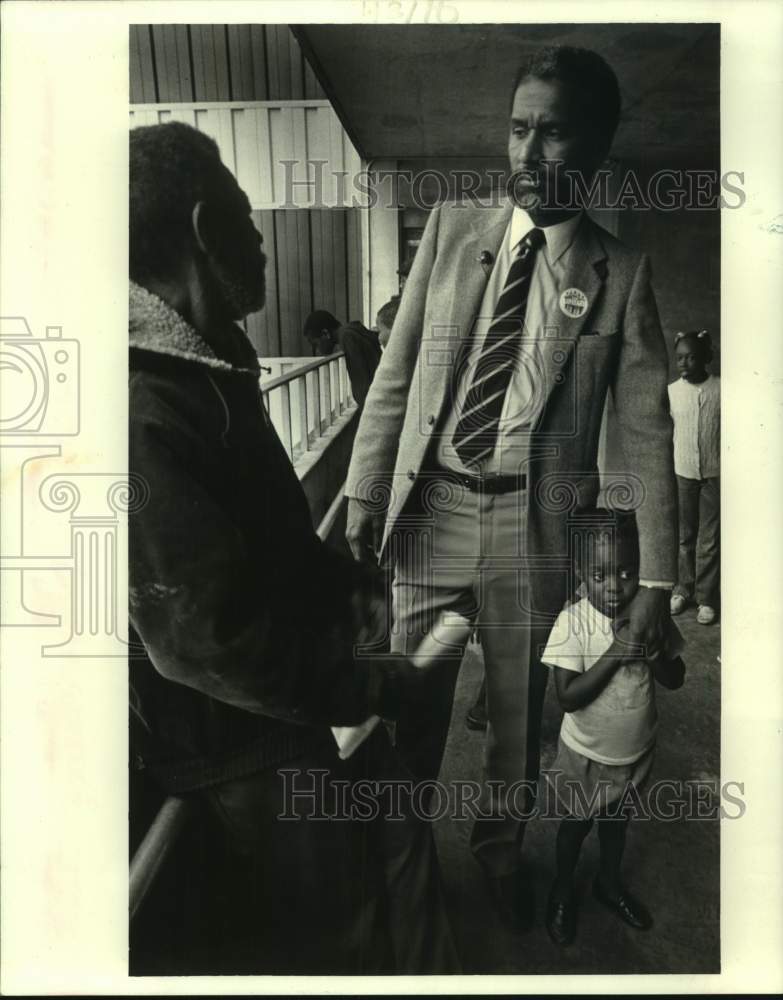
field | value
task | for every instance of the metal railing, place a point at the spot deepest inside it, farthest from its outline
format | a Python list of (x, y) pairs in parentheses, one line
[(173, 815), (158, 843), (305, 403)]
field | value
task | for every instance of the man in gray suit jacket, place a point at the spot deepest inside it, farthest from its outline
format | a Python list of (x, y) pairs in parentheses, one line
[(479, 437)]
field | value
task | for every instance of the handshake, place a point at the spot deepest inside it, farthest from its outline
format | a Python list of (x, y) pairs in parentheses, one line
[(449, 633)]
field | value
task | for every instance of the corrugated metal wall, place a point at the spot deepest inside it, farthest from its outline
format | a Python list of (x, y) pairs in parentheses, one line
[(314, 254), (218, 62)]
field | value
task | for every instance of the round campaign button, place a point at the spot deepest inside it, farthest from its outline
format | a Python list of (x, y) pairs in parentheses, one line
[(573, 303)]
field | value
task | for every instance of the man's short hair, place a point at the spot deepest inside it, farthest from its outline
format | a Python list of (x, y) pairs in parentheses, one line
[(595, 522), (319, 321), (388, 312), (172, 167), (590, 79)]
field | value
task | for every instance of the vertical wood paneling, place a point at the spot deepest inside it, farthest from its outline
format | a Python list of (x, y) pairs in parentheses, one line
[(257, 35), (220, 42), (286, 293), (172, 61), (203, 63), (302, 172), (218, 123), (299, 285), (182, 48), (317, 131), (186, 115), (142, 71), (144, 118), (167, 63), (240, 60), (314, 255), (299, 134), (313, 89), (351, 159), (340, 274), (316, 225), (280, 34), (306, 304), (353, 236), (254, 142), (136, 75), (257, 324), (326, 250), (306, 257), (255, 328), (225, 137), (210, 62), (298, 288), (273, 60), (295, 66), (336, 152), (281, 141), (246, 145), (253, 62), (226, 132), (264, 155), (272, 311)]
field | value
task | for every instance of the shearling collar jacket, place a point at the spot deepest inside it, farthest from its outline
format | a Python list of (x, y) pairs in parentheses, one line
[(241, 617)]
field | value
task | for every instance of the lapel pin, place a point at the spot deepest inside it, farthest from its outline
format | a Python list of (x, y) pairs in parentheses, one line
[(573, 303), (486, 260)]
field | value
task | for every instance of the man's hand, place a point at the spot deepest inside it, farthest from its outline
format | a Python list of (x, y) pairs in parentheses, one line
[(364, 531), (648, 614), (630, 648), (371, 616)]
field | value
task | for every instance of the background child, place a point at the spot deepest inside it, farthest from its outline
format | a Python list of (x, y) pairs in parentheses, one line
[(607, 739), (694, 400)]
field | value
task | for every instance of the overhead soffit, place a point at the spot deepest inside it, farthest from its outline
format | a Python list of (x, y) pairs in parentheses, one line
[(421, 91)]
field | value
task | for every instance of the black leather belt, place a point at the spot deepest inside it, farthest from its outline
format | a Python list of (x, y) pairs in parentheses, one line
[(492, 484)]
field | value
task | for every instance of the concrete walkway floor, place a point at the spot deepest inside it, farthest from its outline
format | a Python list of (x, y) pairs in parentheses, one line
[(672, 866)]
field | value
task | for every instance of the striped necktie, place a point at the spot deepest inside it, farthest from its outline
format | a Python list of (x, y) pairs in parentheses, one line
[(477, 428)]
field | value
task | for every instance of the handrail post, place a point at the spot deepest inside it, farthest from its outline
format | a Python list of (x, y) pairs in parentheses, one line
[(333, 379), (305, 430), (285, 408), (319, 395), (341, 374)]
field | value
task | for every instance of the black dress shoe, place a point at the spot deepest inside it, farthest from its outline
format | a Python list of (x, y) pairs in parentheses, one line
[(513, 899), (626, 906), (561, 918)]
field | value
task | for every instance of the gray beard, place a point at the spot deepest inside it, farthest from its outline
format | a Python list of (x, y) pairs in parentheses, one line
[(242, 293), (241, 297)]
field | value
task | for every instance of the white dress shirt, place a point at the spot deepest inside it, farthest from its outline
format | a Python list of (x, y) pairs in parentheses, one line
[(524, 398)]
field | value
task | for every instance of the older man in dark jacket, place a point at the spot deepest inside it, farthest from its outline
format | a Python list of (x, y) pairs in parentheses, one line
[(247, 622)]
